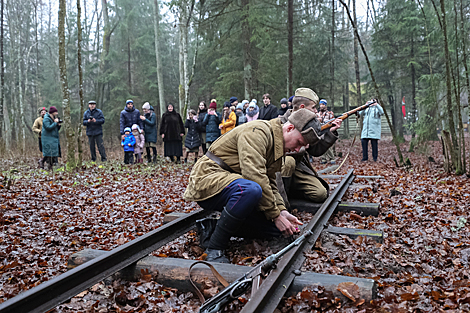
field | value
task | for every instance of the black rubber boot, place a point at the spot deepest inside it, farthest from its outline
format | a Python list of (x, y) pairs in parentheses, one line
[(225, 228), (154, 158)]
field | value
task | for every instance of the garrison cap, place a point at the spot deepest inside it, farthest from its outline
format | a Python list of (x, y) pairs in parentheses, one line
[(305, 121), (307, 93)]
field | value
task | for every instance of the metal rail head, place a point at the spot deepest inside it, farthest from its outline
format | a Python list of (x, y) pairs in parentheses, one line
[(276, 284), (49, 294)]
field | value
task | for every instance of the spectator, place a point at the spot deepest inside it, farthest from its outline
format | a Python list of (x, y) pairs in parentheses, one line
[(229, 119), (172, 131), (371, 130), (50, 136), (283, 108), (127, 143), (241, 118), (150, 130), (268, 111), (201, 114), (289, 103), (233, 101), (93, 119), (212, 121), (129, 116), (245, 103), (192, 140), (139, 143), (37, 128), (252, 112), (324, 116)]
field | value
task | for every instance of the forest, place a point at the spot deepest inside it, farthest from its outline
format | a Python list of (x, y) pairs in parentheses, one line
[(183, 52)]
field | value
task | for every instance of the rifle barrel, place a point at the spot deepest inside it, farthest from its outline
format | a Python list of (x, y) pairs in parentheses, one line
[(345, 115)]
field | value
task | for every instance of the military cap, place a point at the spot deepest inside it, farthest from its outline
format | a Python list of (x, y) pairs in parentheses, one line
[(305, 121), (307, 93)]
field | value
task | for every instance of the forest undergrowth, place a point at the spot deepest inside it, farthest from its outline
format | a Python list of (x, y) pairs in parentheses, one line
[(422, 266)]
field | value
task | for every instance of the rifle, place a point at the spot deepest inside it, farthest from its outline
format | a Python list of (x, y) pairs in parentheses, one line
[(251, 278), (344, 116)]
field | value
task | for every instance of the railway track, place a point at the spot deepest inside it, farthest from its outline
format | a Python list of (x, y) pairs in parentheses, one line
[(63, 287)]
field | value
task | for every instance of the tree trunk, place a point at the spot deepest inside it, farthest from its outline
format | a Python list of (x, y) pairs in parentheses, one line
[(356, 57), (457, 89), (464, 52), (290, 47), (246, 42), (454, 151), (156, 26), (181, 28), (70, 136), (80, 83), (129, 77), (332, 82), (104, 53), (413, 90), (346, 107), (21, 103), (379, 96), (2, 82)]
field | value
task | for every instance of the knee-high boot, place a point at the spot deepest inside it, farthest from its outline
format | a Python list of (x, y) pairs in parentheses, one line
[(225, 228)]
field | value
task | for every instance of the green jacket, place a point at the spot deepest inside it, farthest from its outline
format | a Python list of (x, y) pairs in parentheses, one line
[(254, 151), (50, 137)]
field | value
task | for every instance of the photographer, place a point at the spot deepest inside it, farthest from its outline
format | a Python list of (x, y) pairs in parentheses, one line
[(93, 119), (50, 136)]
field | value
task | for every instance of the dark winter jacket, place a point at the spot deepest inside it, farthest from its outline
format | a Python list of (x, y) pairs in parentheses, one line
[(212, 126), (150, 126), (282, 111), (50, 137), (268, 112), (128, 139), (172, 126), (129, 118), (193, 139), (200, 118), (93, 128)]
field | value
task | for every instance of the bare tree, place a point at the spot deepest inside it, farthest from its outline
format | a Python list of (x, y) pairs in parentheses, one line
[(247, 60), (70, 136), (161, 88), (290, 46), (80, 82)]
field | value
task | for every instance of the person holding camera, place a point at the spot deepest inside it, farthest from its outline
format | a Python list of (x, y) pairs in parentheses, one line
[(50, 136), (93, 119)]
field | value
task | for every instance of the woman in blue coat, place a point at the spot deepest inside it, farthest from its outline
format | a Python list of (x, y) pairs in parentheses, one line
[(371, 130), (150, 129), (212, 121), (50, 136)]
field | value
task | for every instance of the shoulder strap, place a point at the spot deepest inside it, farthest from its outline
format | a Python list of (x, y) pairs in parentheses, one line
[(217, 275)]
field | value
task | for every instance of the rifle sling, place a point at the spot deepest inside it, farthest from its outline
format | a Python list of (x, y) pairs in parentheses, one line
[(217, 275)]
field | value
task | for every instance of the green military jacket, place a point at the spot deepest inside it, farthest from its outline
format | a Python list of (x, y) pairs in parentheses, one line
[(254, 151)]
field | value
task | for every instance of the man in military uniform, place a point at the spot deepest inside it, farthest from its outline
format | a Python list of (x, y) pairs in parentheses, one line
[(301, 180), (237, 176)]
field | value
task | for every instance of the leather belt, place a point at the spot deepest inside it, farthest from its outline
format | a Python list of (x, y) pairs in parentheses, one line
[(219, 162)]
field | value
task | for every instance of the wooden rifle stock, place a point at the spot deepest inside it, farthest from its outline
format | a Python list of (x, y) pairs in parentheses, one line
[(345, 115)]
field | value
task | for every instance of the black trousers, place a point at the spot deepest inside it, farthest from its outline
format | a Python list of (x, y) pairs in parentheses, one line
[(98, 140), (365, 148), (128, 157), (40, 144)]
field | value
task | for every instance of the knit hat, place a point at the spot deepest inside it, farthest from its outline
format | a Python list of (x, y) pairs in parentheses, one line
[(135, 126), (92, 102), (127, 129), (213, 105), (240, 106), (291, 98), (129, 101), (306, 122), (307, 93), (192, 111), (284, 100), (255, 111), (53, 110), (323, 101), (146, 106), (245, 102), (254, 101), (233, 99), (42, 109), (226, 104), (214, 100)]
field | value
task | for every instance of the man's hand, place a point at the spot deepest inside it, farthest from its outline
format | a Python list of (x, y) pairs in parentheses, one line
[(94, 120), (287, 223), (163, 136), (142, 118), (89, 120), (337, 124), (181, 134), (56, 120)]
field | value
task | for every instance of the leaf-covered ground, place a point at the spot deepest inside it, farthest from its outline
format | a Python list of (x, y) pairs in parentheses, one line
[(422, 265)]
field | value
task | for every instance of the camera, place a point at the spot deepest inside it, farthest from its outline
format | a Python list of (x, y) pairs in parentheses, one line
[(60, 120)]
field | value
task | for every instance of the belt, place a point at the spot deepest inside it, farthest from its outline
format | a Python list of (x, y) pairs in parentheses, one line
[(219, 162)]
